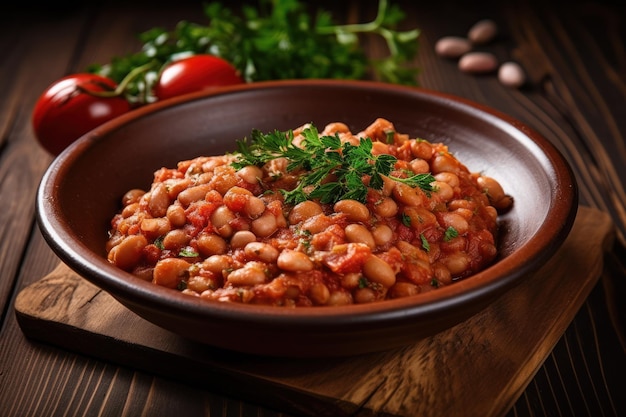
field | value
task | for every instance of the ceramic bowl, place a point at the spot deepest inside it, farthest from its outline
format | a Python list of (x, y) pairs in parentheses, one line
[(81, 191)]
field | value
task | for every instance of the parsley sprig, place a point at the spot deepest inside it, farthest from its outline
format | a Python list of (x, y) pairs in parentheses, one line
[(274, 39), (329, 170)]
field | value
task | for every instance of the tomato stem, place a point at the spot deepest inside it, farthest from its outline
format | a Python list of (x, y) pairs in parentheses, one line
[(121, 87)]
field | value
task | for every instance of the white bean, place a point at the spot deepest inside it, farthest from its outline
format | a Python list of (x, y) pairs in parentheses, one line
[(340, 298), (364, 295), (452, 46), (382, 234), (493, 213), (491, 187), (457, 262), (357, 233), (241, 238), (443, 190), (191, 194), (176, 215), (216, 263), (377, 270), (158, 201), (511, 74), (319, 293), (455, 221), (449, 177), (407, 195), (128, 252), (304, 210), (264, 225), (444, 163), (252, 274), (130, 209), (211, 244), (354, 210), (132, 196), (404, 289), (254, 207), (387, 207), (168, 272), (220, 219), (175, 239), (420, 166), (478, 62), (291, 260), (221, 216), (155, 227), (261, 252), (483, 31), (250, 174)]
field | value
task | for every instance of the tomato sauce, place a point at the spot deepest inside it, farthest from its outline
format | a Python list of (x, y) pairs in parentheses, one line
[(224, 234)]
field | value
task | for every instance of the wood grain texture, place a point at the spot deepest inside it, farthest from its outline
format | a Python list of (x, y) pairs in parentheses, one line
[(485, 362), (581, 43)]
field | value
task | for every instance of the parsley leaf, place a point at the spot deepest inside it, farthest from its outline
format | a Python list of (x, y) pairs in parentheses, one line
[(273, 40), (320, 156), (188, 252), (450, 234), (406, 220), (425, 243), (158, 242)]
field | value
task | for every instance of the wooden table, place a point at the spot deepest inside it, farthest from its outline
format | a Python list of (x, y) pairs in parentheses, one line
[(575, 57)]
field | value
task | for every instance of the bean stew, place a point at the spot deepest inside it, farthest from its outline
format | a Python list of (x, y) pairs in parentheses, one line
[(279, 233)]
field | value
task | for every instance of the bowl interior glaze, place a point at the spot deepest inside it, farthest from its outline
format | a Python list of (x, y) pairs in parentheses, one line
[(82, 188)]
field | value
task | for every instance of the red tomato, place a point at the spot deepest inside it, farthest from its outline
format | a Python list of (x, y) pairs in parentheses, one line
[(63, 112), (198, 72)]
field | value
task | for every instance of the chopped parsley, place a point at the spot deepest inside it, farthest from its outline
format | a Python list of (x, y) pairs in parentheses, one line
[(305, 239), (450, 234), (158, 242), (425, 243), (188, 253)]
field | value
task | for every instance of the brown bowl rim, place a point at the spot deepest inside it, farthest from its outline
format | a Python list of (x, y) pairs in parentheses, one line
[(480, 288)]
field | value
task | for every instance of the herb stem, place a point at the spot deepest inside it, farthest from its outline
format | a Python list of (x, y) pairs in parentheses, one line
[(277, 40), (123, 85), (372, 26)]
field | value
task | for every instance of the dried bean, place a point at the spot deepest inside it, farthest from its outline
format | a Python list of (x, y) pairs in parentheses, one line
[(478, 62), (452, 46), (483, 31), (511, 74)]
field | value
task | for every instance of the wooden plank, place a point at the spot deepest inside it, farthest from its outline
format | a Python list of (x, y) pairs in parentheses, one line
[(479, 367)]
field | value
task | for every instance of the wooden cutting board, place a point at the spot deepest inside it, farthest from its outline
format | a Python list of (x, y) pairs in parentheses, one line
[(477, 368)]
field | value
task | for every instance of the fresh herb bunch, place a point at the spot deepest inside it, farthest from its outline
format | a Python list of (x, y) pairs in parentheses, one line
[(320, 156), (276, 39)]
